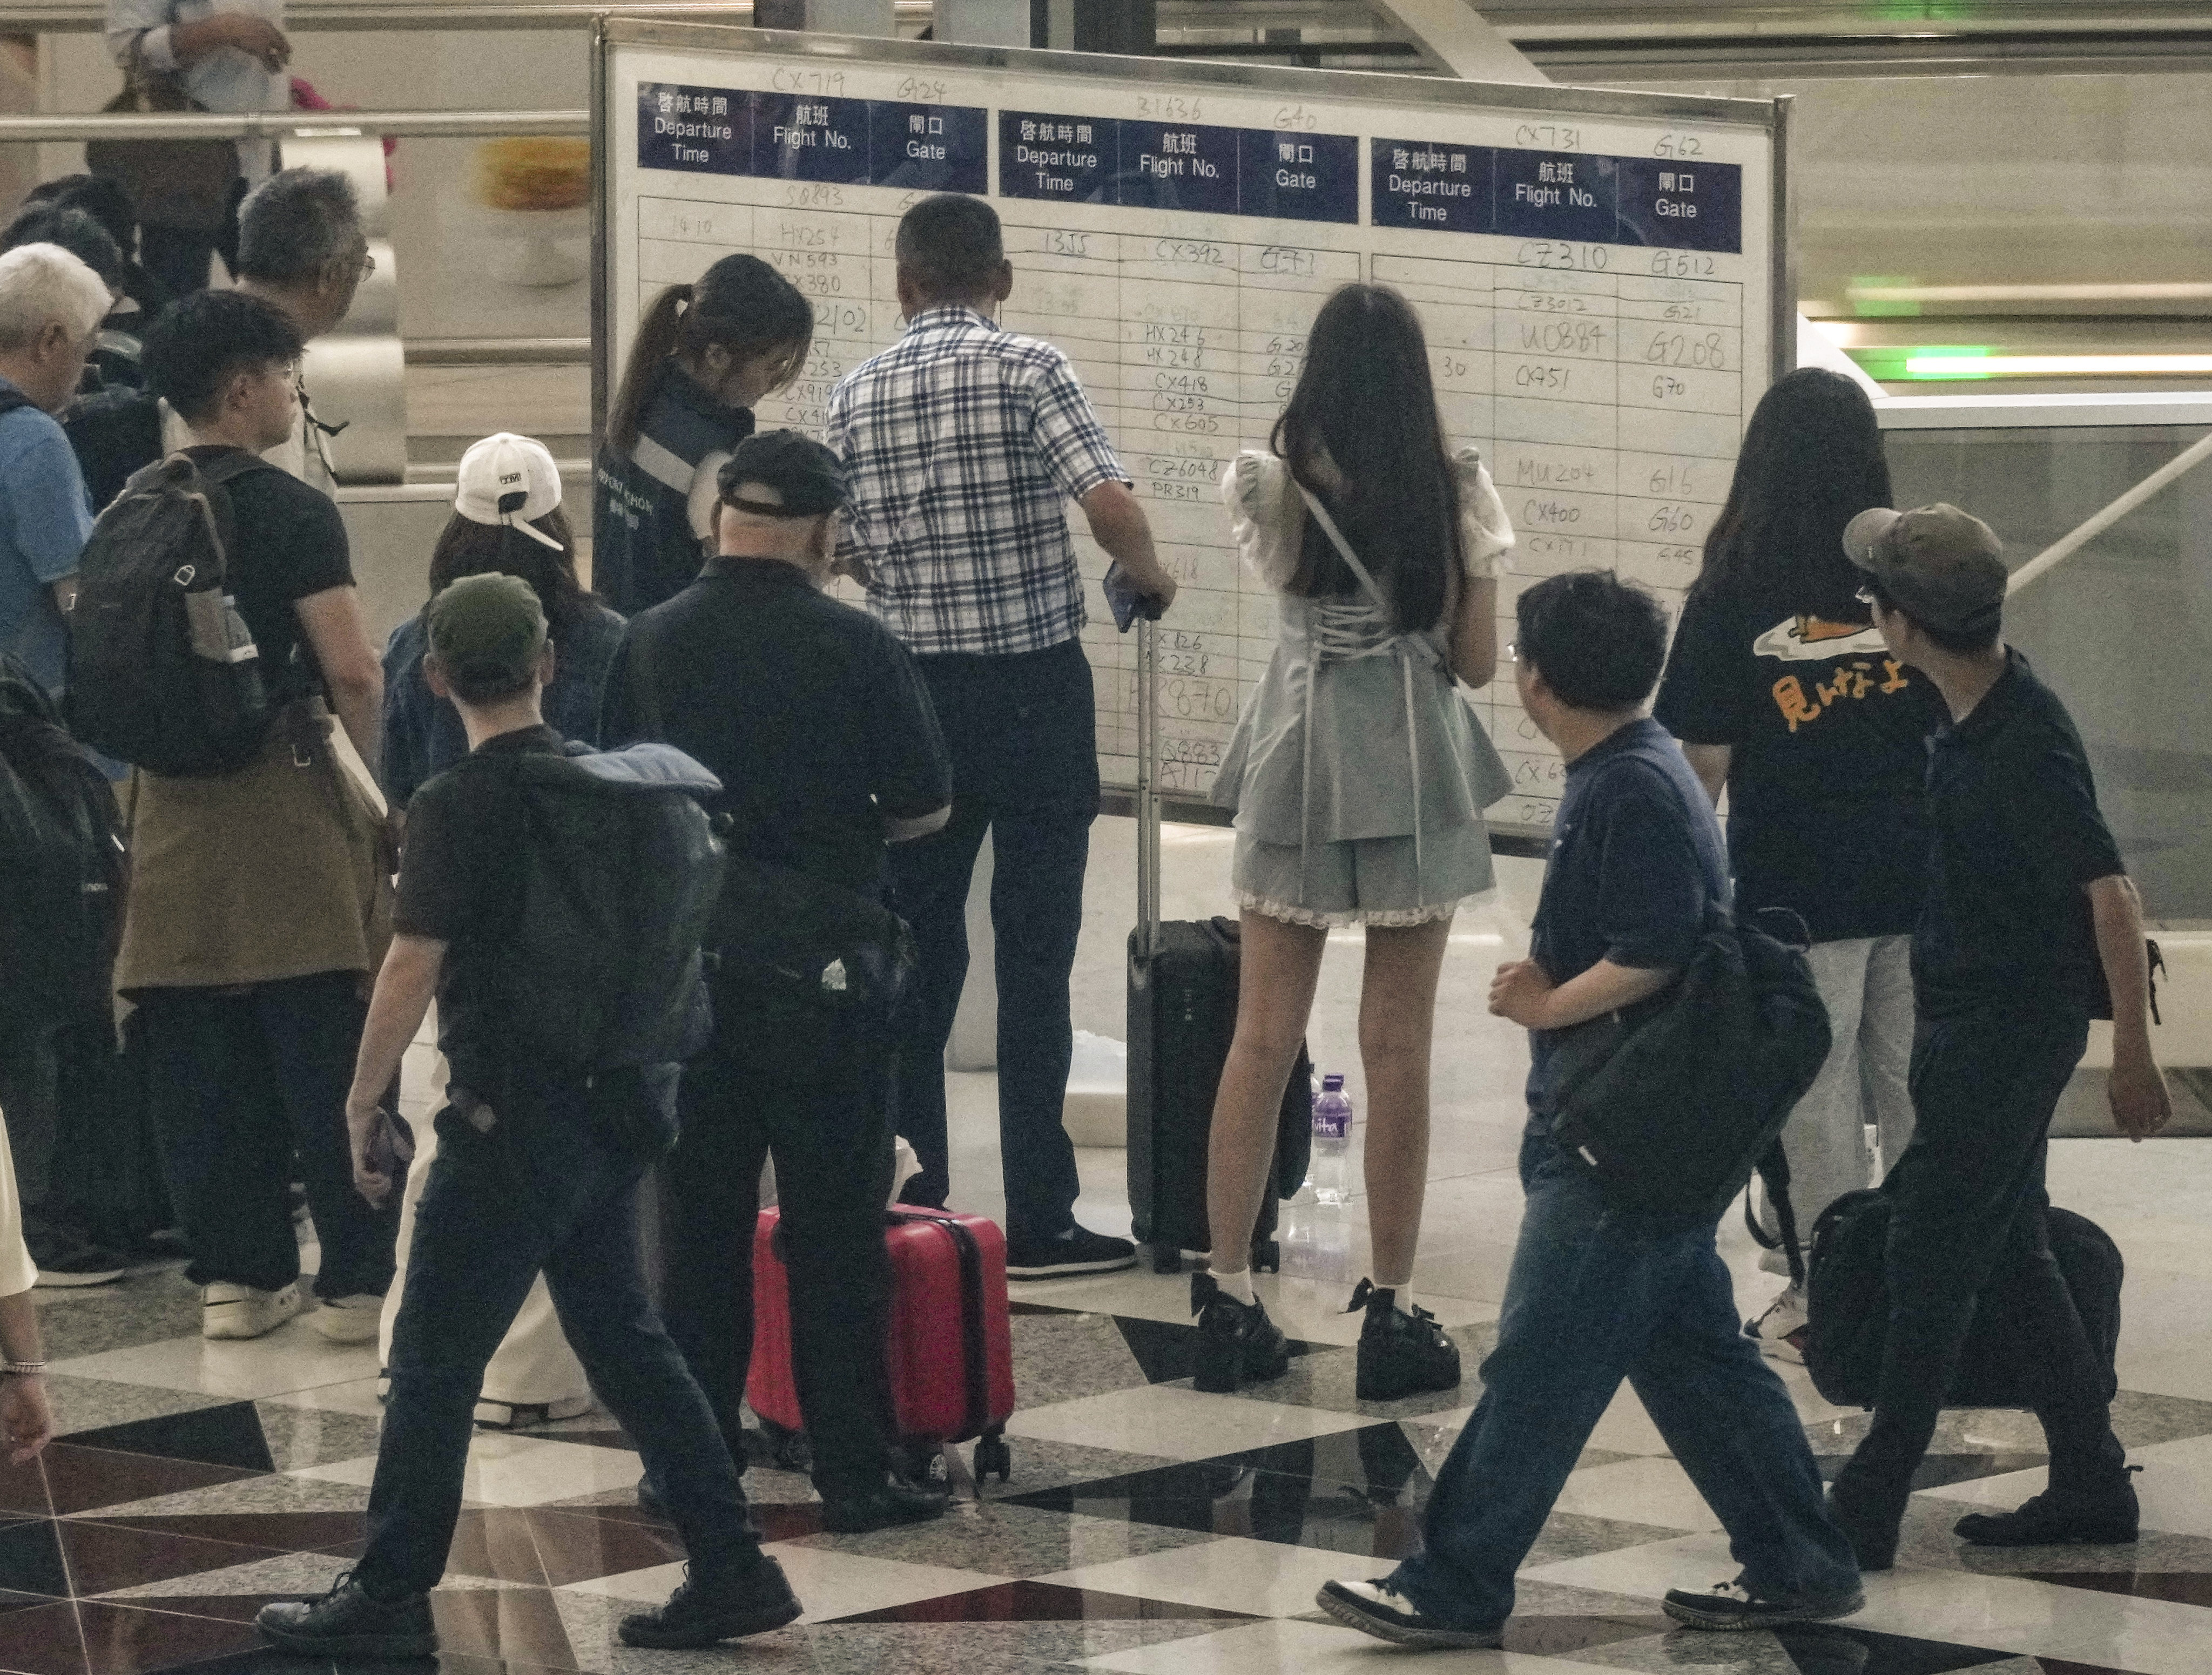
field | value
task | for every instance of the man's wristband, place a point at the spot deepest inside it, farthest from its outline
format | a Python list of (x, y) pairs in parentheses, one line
[(23, 1368)]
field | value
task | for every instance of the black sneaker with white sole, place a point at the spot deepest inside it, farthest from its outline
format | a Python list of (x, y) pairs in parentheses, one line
[(1730, 1607), (1376, 1608), (1077, 1251)]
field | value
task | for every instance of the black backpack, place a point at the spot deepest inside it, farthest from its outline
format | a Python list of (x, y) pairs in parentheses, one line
[(61, 864), (1672, 1109), (1847, 1299), (621, 873), (162, 671)]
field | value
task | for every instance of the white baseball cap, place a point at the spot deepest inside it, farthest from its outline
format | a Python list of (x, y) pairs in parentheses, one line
[(509, 479)]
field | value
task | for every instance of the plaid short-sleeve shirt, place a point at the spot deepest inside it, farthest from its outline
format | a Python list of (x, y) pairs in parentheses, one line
[(964, 444)]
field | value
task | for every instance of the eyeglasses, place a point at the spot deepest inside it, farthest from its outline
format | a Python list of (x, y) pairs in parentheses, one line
[(362, 269)]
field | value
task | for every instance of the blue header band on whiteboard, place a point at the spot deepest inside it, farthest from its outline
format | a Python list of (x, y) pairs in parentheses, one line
[(1207, 170), (1426, 185), (1439, 186), (788, 136)]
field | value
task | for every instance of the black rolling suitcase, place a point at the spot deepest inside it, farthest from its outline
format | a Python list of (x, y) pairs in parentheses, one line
[(1182, 1014), (1848, 1302)]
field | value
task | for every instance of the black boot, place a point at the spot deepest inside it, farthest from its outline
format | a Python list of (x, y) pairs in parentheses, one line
[(1237, 1342), (1400, 1354), (2075, 1518)]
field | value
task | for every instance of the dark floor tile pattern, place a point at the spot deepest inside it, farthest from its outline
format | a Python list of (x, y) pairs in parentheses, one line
[(1359, 1492)]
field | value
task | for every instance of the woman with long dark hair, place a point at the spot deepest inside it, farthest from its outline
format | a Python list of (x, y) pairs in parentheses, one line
[(1782, 692), (1358, 778), (422, 733), (703, 356)]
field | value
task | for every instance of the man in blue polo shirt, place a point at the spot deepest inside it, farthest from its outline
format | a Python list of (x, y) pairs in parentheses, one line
[(50, 308), (1598, 1295)]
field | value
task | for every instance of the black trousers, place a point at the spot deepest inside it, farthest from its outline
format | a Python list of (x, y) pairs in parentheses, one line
[(1023, 734), (552, 1185), (177, 257), (786, 1080), (238, 1082), (1968, 1201)]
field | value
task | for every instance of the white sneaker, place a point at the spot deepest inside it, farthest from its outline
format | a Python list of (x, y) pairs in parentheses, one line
[(228, 1310), (526, 1416), (348, 1319), (1780, 1331)]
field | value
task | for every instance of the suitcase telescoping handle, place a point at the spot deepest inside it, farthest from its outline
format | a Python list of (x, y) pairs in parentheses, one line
[(1148, 788)]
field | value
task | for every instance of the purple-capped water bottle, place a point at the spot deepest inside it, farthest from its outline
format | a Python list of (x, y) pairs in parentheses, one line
[(1332, 1142)]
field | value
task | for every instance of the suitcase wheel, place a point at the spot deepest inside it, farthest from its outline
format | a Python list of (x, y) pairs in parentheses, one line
[(992, 1454), (1266, 1256), (1166, 1259)]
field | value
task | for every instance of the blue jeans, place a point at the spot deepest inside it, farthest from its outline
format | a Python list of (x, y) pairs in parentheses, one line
[(1022, 732), (552, 1185), (1595, 1297)]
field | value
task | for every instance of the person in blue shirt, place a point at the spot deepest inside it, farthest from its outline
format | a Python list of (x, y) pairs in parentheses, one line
[(50, 308), (530, 538), (1597, 1295)]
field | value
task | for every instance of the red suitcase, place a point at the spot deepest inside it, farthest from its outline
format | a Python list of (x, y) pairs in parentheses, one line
[(950, 1353)]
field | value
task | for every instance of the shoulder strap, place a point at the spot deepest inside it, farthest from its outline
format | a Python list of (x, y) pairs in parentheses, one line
[(1320, 513)]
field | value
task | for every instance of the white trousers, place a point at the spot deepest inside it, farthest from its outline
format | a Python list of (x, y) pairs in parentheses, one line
[(1867, 985), (534, 1364)]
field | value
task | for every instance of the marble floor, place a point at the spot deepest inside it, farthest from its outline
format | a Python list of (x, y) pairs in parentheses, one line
[(1148, 1528)]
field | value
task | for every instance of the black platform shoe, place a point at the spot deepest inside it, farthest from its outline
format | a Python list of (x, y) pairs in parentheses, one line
[(1237, 1344), (1400, 1354)]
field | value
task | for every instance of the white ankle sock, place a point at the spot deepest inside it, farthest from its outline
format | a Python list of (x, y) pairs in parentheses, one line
[(1237, 1285)]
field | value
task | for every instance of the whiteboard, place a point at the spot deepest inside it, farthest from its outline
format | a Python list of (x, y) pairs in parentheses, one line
[(1600, 273)]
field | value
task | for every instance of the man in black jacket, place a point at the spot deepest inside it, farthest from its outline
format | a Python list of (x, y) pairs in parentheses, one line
[(815, 720)]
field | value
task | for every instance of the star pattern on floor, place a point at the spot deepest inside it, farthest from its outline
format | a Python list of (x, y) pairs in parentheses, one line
[(1149, 1529)]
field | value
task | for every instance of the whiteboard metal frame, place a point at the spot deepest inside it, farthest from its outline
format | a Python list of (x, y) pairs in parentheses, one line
[(1755, 116)]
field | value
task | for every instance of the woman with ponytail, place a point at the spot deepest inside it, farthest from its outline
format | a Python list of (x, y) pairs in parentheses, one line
[(704, 355)]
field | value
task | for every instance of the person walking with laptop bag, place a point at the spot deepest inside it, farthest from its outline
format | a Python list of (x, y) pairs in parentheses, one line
[(1596, 1292)]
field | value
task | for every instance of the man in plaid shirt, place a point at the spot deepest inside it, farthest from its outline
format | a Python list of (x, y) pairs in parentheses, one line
[(964, 444)]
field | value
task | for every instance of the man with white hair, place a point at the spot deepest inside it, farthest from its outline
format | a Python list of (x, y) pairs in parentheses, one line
[(50, 308)]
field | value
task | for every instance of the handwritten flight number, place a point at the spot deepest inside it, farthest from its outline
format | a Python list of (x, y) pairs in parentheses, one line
[(1548, 136), (1170, 107), (827, 83), (814, 195), (1556, 253)]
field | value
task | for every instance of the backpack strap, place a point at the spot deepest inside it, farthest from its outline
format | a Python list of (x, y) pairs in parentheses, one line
[(1774, 1170)]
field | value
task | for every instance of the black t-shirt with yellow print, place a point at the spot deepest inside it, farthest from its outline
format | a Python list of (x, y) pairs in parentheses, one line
[(1829, 731)]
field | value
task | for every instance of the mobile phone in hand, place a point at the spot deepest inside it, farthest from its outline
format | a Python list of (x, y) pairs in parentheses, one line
[(391, 1147), (1127, 603)]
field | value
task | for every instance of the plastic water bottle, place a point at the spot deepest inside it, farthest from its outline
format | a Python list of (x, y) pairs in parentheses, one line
[(1332, 1142)]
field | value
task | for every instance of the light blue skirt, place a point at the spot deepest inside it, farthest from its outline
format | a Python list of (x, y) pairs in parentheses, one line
[(1362, 881)]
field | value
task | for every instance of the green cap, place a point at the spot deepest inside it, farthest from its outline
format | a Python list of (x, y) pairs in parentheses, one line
[(488, 632)]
